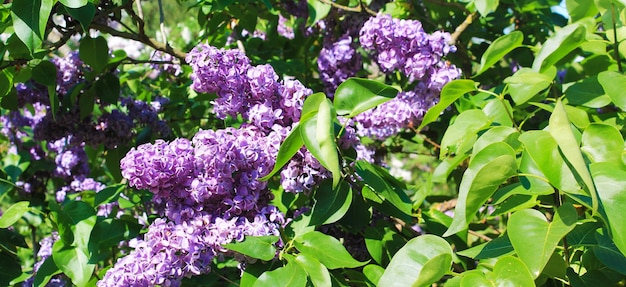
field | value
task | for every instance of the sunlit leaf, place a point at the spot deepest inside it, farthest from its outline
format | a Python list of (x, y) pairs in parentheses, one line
[(499, 48), (357, 95)]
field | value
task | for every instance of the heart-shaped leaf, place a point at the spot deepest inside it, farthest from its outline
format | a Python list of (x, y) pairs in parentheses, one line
[(357, 95), (422, 261), (327, 249), (317, 271), (530, 225), (290, 275)]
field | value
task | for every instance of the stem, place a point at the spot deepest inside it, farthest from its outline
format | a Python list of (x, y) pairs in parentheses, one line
[(457, 32), (481, 236)]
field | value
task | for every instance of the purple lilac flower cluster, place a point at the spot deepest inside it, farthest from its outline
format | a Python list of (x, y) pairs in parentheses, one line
[(253, 92), (403, 45), (209, 191), (337, 62)]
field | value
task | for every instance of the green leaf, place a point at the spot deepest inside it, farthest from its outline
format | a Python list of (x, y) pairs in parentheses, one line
[(331, 204), (317, 11), (608, 253), (373, 273), (449, 94), (45, 73), (45, 272), (485, 7), (83, 14), (74, 263), (311, 106), (290, 275), (495, 248), (561, 131), (327, 249), (9, 268), (327, 158), (86, 102), (530, 225), (543, 150), (325, 136), (510, 271), (290, 146), (382, 242), (579, 9), (94, 52), (588, 93), (602, 142), (109, 194), (422, 261), (610, 180), (614, 84), (260, 247), (499, 48), (83, 218), (317, 271), (474, 278), (108, 88), (559, 45), (6, 83), (495, 134), (487, 170), (463, 131), (74, 3), (29, 21), (14, 213), (110, 232), (526, 83), (357, 95), (385, 187)]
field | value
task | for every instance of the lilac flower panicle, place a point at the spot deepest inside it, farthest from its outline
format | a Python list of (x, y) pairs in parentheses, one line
[(337, 62)]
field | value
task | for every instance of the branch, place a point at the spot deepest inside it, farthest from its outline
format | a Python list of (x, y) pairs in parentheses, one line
[(141, 38), (357, 9), (457, 32)]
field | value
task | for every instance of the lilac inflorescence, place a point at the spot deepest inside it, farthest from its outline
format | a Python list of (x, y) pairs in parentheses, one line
[(208, 189), (254, 92), (403, 45), (337, 62)]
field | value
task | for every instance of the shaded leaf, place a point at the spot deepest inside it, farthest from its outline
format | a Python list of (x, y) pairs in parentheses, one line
[(331, 204), (94, 52), (29, 21)]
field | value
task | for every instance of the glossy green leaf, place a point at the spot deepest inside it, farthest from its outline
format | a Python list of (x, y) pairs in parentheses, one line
[(560, 129), (83, 14), (290, 146), (373, 273), (588, 93), (530, 225), (357, 95), (495, 248), (421, 262), (614, 85), (610, 180), (74, 3), (463, 131), (73, 262), (325, 134), (14, 213), (6, 83), (559, 45), (510, 271), (327, 249), (322, 152), (543, 150), (260, 247), (110, 232), (311, 106), (385, 186), (449, 94), (94, 52), (579, 9), (317, 271), (86, 102), (29, 21), (526, 83), (83, 219), (499, 48), (317, 11), (474, 278), (485, 7), (45, 272), (608, 253), (495, 134), (331, 204), (487, 170), (602, 142)]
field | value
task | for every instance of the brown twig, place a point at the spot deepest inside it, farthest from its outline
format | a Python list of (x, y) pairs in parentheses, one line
[(457, 32)]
